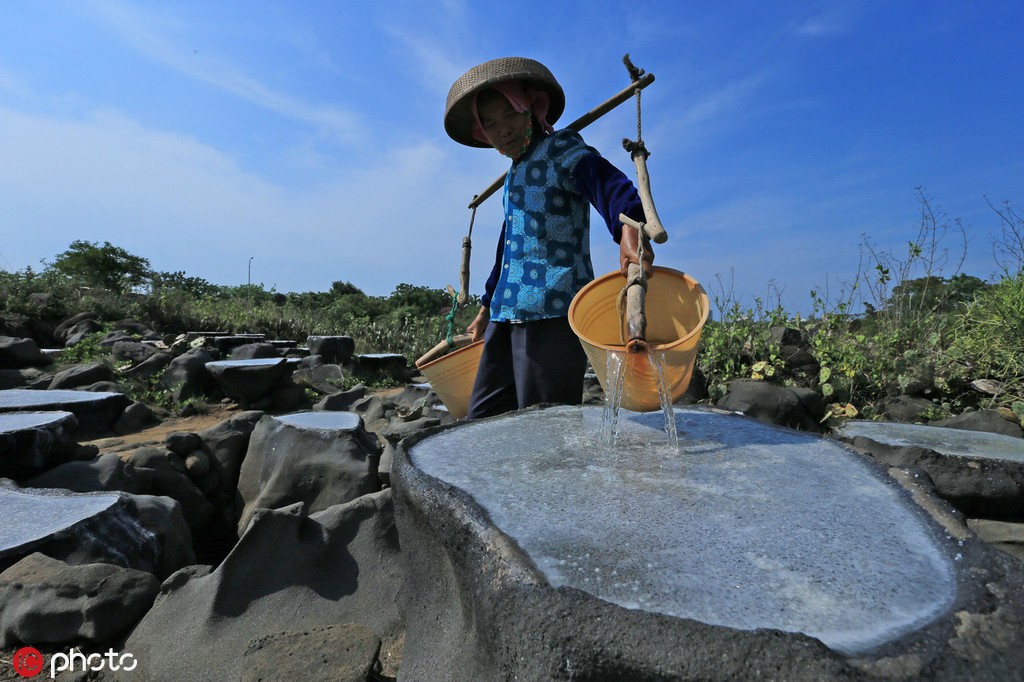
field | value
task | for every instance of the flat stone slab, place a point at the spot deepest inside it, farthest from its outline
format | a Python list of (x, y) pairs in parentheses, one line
[(14, 422), (955, 442), (31, 517), (322, 421), (31, 442), (255, 362), (74, 527), (980, 473), (95, 411), (744, 528)]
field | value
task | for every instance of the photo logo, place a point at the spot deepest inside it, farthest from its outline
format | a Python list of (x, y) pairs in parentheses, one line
[(27, 661)]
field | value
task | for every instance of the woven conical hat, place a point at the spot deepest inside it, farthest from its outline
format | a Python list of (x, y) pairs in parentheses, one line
[(458, 117)]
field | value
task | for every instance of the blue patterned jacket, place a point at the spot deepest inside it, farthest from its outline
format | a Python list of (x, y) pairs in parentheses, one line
[(543, 254)]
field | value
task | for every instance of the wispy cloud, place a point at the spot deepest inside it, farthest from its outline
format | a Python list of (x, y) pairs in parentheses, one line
[(162, 40)]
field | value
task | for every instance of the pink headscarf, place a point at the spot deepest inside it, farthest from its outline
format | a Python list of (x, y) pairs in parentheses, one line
[(521, 99)]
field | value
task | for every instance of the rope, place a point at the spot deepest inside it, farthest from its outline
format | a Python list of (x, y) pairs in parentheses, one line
[(640, 280), (450, 317)]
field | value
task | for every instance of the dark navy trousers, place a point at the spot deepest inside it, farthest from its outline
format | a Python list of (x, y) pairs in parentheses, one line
[(526, 364)]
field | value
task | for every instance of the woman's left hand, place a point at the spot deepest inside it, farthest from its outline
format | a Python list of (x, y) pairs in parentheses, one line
[(628, 252)]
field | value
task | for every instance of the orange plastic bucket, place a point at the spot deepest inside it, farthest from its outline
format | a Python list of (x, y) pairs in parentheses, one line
[(452, 376), (676, 307)]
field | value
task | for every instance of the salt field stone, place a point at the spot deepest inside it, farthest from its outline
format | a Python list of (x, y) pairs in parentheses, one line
[(95, 411), (980, 473), (75, 527), (328, 421), (956, 442), (734, 528)]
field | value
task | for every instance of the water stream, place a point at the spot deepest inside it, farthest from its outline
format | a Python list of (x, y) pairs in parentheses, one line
[(621, 372)]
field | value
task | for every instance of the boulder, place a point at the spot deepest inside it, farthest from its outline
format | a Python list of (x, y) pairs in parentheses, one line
[(32, 442), (316, 458), (133, 351), (797, 409), (343, 401), (96, 412), (21, 353), (149, 367), (989, 421), (340, 653), (288, 573), (247, 381), (255, 351), (81, 375), (186, 376), (336, 350), (324, 379), (168, 478), (79, 528), (372, 366), (107, 472), (50, 602), (981, 474), (907, 409), (227, 444)]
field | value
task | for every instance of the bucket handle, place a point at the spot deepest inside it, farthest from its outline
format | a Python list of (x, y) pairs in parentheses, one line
[(440, 349)]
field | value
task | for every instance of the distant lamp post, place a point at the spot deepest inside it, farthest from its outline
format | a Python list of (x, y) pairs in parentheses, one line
[(248, 285)]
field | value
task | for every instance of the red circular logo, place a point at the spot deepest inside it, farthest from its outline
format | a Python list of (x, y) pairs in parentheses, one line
[(28, 662)]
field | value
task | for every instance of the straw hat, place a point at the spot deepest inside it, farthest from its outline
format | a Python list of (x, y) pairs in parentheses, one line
[(458, 117)]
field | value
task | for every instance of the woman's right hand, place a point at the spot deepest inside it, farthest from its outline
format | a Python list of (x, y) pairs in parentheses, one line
[(479, 324)]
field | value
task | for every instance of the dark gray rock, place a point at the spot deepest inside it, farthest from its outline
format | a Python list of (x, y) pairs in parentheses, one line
[(317, 458), (373, 366), (135, 417), (96, 413), (183, 442), (907, 409), (74, 334), (227, 444), (149, 367), (289, 572), (62, 330), (336, 350), (398, 428), (247, 381), (255, 351), (186, 376), (133, 351), (1003, 535), (227, 343), (168, 478), (162, 516), (982, 474), (340, 653), (79, 528), (797, 409), (324, 379), (513, 574), (21, 353), (341, 402), (20, 378), (107, 472), (50, 602), (32, 442), (81, 375), (988, 421)]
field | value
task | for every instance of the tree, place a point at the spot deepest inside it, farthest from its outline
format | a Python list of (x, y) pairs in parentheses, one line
[(107, 266)]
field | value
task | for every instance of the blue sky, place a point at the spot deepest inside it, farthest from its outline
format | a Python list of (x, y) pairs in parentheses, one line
[(307, 135)]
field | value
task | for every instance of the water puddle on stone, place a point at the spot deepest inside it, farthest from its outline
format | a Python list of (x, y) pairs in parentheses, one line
[(622, 369)]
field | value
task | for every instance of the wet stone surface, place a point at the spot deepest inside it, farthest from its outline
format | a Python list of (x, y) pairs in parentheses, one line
[(327, 421), (744, 525), (33, 516), (956, 442)]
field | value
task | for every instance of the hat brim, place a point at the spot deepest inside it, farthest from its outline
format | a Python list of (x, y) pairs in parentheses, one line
[(458, 114)]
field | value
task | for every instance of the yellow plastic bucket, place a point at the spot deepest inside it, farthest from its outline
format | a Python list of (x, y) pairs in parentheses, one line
[(452, 376), (676, 307)]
